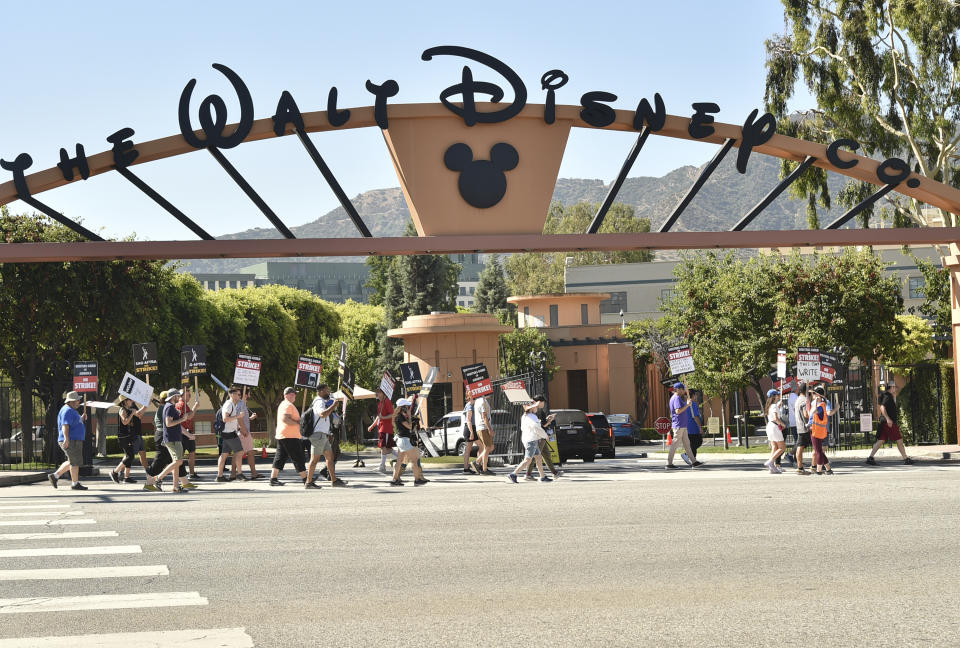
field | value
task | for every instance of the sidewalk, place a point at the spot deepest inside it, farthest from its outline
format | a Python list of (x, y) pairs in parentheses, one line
[(17, 477), (939, 452)]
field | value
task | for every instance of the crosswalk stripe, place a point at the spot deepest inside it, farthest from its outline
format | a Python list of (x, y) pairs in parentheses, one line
[(58, 536), (19, 513), (69, 573), (69, 551), (34, 506), (100, 602), (36, 522), (212, 638)]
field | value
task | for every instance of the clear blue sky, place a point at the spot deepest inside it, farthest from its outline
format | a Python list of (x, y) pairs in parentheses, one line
[(76, 72)]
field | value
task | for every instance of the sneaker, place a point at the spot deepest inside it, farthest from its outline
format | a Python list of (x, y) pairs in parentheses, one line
[(420, 482), (53, 479), (78, 486), (130, 480), (489, 472), (670, 467), (871, 461), (178, 489), (513, 478), (221, 479), (557, 474), (338, 483), (529, 478), (313, 485), (231, 478), (114, 477), (766, 464), (697, 464), (242, 477), (467, 471), (476, 467), (396, 482), (801, 471), (257, 476), (908, 461), (686, 459), (830, 471), (195, 476), (773, 469), (151, 487), (275, 482), (545, 479)]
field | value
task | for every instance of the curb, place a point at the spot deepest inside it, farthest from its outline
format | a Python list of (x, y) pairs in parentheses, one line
[(23, 478)]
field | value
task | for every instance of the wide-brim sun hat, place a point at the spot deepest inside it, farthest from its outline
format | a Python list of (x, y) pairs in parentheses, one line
[(71, 397), (404, 402)]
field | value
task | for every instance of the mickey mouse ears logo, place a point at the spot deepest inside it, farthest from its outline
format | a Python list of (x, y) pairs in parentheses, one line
[(482, 183)]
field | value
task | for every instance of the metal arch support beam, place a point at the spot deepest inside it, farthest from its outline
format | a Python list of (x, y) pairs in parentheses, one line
[(163, 202), (251, 193), (697, 184), (618, 183), (255, 248), (874, 197), (770, 197), (60, 218)]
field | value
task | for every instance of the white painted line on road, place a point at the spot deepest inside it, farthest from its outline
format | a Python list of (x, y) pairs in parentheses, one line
[(58, 536), (69, 573), (70, 551), (36, 522), (212, 638), (74, 513), (100, 602), (34, 506)]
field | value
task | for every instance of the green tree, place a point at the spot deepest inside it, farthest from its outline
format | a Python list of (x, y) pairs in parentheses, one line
[(915, 344), (936, 302), (492, 293), (535, 273), (650, 340), (380, 269), (522, 348), (394, 312), (884, 73)]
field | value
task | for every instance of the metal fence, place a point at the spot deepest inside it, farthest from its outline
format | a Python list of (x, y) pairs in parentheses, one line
[(32, 448), (505, 415)]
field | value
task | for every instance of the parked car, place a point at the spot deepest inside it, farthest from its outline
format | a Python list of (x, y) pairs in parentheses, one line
[(624, 428), (606, 443), (448, 434), (11, 449), (575, 435)]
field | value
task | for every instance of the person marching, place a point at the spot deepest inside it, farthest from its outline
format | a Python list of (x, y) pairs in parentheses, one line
[(173, 442), (232, 415), (136, 432), (469, 434), (246, 439), (680, 420), (384, 424), (695, 429), (774, 431), (820, 412), (409, 453), (801, 412), (536, 408), (71, 432), (485, 431), (532, 435), (125, 437), (189, 438), (889, 430), (289, 441), (318, 416)]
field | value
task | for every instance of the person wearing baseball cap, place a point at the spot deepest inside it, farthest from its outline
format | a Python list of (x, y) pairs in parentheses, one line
[(173, 442), (680, 420), (289, 440), (820, 412), (71, 432)]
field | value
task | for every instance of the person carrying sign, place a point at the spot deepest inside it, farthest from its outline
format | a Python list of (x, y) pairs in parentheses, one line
[(409, 453), (173, 442), (232, 415), (126, 429), (318, 417), (469, 434), (774, 431), (889, 430), (481, 421), (534, 439), (71, 432), (384, 424), (680, 417), (289, 441), (189, 438)]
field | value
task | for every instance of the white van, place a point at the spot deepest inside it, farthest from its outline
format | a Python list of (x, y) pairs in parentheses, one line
[(449, 432)]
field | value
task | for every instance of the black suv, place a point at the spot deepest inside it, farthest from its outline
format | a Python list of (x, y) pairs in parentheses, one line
[(575, 435), (606, 443)]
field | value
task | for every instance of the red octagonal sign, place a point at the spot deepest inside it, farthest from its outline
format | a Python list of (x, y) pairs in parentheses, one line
[(662, 425)]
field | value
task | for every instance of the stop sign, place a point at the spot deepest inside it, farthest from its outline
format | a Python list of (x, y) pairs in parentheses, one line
[(662, 425)]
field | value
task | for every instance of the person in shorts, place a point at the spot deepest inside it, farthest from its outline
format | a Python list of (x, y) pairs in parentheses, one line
[(125, 438), (71, 431), (289, 439), (246, 438), (384, 424), (531, 434), (774, 431), (232, 413), (801, 413), (406, 445), (189, 438), (321, 441), (536, 407), (889, 429), (469, 434), (173, 442), (481, 421)]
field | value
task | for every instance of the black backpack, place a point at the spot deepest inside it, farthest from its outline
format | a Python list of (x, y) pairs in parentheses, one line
[(306, 423), (218, 423)]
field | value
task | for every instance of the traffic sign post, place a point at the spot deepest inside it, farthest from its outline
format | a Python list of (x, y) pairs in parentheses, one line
[(662, 426)]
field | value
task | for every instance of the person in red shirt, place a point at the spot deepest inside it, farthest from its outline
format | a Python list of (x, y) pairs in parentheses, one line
[(384, 424)]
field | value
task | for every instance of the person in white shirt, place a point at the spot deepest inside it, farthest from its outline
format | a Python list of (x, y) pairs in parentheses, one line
[(321, 440), (530, 435), (481, 423), (231, 412)]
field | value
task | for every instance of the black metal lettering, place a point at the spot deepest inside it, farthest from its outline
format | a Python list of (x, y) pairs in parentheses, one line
[(468, 88), (213, 114), (389, 88), (551, 81), (124, 152), (654, 117), (287, 113), (898, 165), (699, 122), (596, 113), (20, 164), (754, 133), (835, 160), (335, 117), (67, 164)]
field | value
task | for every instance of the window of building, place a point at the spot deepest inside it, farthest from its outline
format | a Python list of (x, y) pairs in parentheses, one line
[(666, 294), (463, 290), (472, 290), (584, 314), (915, 287), (616, 303), (202, 427), (460, 303), (554, 315)]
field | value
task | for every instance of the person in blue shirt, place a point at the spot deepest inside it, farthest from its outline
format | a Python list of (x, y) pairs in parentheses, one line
[(680, 418), (695, 426), (71, 432)]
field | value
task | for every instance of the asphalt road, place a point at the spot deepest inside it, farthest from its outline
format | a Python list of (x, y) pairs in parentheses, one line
[(618, 553)]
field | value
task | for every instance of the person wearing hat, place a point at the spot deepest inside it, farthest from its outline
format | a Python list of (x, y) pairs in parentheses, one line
[(680, 421), (889, 430), (820, 412), (173, 442), (71, 432), (536, 408), (774, 431), (318, 416), (289, 440), (801, 409), (407, 447), (384, 424)]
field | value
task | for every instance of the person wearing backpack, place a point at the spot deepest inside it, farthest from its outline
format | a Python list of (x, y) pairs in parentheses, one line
[(315, 427), (230, 413), (162, 457), (246, 438)]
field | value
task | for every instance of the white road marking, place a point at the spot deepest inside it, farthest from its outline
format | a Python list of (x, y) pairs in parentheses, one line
[(38, 522), (100, 602), (58, 536), (34, 506), (70, 551), (212, 638), (70, 573), (18, 514)]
